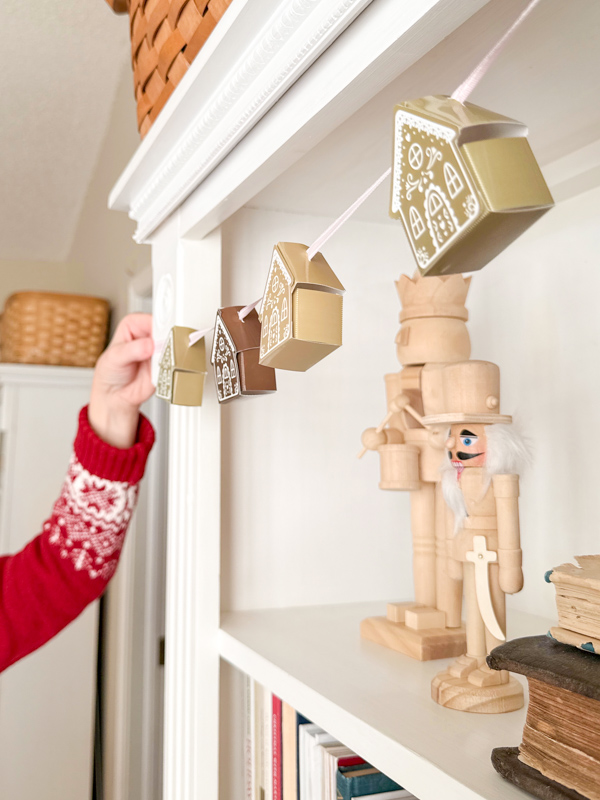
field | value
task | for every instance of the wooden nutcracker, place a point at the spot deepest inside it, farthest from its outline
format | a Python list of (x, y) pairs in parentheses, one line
[(432, 333), (480, 483)]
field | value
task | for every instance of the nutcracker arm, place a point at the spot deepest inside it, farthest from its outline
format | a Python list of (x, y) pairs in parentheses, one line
[(510, 572), (373, 438)]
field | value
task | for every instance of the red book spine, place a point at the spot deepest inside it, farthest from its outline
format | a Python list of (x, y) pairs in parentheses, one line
[(277, 765), (350, 761)]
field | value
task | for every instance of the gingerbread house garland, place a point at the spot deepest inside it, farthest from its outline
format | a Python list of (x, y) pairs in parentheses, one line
[(235, 356), (301, 314), (465, 183), (182, 369)]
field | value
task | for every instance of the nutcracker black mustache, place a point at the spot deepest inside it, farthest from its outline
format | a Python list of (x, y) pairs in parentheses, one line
[(465, 456)]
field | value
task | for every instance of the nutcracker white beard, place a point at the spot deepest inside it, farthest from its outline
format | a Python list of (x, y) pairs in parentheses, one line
[(507, 454)]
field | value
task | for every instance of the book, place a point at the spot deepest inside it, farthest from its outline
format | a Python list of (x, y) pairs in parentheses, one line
[(560, 750), (350, 761), (250, 775), (277, 754), (333, 755), (267, 744), (311, 787), (578, 603), (398, 794), (290, 723), (257, 726), (287, 757), (361, 782), (289, 752)]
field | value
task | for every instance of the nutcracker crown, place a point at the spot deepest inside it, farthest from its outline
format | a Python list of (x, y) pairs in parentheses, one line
[(439, 296)]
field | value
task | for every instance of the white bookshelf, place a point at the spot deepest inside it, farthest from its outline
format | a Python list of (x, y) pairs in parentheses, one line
[(374, 700), (269, 508)]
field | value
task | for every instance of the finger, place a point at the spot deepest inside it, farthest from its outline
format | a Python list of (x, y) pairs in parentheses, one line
[(133, 326), (125, 353)]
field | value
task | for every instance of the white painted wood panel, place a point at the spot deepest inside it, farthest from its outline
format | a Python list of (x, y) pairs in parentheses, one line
[(191, 704)]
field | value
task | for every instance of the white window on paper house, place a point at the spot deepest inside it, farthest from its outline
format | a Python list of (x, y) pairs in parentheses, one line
[(416, 223), (453, 181)]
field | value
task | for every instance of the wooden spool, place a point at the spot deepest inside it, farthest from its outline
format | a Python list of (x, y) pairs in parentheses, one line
[(166, 36), (399, 467)]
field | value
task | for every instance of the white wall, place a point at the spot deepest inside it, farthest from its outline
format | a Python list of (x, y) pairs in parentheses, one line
[(300, 510), (103, 246), (103, 255), (534, 311), (37, 276)]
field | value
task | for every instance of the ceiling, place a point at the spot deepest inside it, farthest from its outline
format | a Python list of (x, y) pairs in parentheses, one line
[(61, 61)]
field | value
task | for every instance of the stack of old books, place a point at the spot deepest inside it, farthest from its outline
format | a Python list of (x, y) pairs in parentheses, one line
[(559, 757), (578, 603)]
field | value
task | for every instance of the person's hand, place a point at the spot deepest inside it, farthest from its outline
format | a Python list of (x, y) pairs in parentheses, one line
[(122, 381)]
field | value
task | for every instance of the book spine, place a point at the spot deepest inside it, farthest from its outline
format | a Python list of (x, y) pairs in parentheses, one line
[(249, 739), (277, 749), (349, 787), (300, 720), (289, 753), (258, 738), (267, 744), (350, 761)]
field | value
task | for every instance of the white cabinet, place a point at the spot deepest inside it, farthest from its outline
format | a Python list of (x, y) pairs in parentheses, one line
[(47, 700), (282, 121)]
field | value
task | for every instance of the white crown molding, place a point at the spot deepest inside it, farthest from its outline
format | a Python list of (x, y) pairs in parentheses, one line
[(45, 375), (181, 155)]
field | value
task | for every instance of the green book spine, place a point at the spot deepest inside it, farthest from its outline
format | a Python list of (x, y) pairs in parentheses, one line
[(349, 785)]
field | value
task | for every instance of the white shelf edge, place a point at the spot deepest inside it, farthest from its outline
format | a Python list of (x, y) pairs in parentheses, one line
[(411, 769), (418, 775), (45, 374)]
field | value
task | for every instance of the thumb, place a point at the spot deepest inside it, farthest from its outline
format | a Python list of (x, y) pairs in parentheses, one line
[(125, 353)]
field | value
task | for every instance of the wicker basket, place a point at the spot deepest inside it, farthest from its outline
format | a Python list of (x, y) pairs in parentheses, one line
[(61, 329), (166, 36)]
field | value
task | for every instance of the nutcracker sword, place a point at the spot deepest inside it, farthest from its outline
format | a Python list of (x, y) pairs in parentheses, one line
[(482, 558)]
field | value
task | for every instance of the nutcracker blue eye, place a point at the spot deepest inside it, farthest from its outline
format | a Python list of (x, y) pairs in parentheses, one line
[(468, 439)]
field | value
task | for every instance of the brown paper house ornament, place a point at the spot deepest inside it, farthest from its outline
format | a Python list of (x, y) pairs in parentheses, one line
[(182, 369), (235, 354), (301, 313), (465, 183)]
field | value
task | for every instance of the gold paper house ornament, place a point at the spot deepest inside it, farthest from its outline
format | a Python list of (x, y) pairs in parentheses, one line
[(465, 183), (301, 314), (182, 369), (235, 354)]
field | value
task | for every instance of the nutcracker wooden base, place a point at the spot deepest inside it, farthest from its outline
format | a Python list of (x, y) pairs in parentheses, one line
[(478, 691), (421, 643), (506, 762)]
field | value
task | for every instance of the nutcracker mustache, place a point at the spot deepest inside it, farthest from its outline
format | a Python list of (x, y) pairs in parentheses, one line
[(467, 456)]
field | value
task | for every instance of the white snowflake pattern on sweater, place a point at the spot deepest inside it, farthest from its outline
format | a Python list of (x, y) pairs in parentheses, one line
[(90, 520)]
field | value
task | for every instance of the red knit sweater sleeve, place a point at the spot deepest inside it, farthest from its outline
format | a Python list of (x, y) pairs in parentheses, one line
[(48, 584)]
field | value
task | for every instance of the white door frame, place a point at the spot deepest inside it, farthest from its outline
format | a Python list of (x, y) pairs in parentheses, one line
[(135, 621)]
